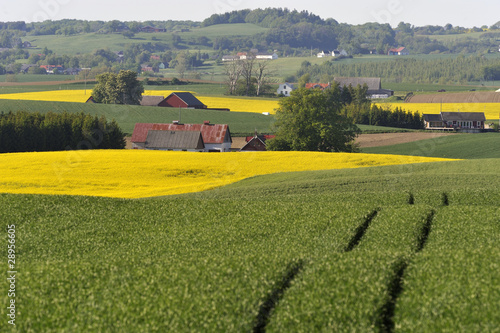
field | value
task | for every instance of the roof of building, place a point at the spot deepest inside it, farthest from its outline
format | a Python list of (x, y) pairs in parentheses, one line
[(211, 133), (463, 116), (373, 83), (255, 143), (174, 140), (455, 116), (188, 98), (151, 100), (432, 117), (317, 85), (399, 49)]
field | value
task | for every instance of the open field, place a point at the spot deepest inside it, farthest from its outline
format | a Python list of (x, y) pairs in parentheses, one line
[(366, 249), (145, 173), (469, 146), (389, 139)]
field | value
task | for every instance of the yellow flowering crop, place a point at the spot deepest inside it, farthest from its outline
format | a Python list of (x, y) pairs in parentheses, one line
[(144, 173), (81, 96), (78, 96), (491, 110), (240, 104)]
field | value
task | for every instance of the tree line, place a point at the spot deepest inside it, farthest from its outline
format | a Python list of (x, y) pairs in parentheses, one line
[(32, 131), (459, 69)]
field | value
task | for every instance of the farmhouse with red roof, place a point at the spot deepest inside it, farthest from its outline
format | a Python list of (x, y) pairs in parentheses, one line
[(214, 137), (398, 51)]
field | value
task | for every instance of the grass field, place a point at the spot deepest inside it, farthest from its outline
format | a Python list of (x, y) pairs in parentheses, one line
[(392, 248), (469, 146)]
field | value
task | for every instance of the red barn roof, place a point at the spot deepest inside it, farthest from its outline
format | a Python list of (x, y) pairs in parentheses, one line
[(211, 133)]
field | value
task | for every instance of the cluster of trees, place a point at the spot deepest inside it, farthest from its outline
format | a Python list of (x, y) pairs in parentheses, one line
[(33, 131), (121, 88), (371, 114), (460, 69), (72, 26)]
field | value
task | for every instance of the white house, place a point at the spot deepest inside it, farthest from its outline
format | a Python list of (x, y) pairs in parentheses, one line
[(285, 89), (324, 53)]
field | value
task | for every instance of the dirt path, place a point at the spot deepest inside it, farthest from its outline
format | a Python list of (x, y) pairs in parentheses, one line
[(387, 139)]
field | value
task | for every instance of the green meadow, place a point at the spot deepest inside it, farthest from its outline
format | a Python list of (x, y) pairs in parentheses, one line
[(383, 249), (466, 146)]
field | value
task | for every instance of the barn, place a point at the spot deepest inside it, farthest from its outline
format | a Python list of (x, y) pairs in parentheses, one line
[(215, 137), (182, 100)]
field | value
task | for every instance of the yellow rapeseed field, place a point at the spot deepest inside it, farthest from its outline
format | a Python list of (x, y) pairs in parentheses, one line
[(78, 96), (144, 173), (491, 110), (81, 96)]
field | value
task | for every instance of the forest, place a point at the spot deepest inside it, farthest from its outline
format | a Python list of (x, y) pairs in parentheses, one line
[(57, 131)]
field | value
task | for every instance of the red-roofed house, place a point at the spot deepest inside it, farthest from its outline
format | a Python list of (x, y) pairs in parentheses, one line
[(216, 137), (321, 86), (256, 142), (182, 100), (398, 51)]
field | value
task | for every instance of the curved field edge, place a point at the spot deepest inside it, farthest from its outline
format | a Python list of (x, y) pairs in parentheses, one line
[(137, 174)]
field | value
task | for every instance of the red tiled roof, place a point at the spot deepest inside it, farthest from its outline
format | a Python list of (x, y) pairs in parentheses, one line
[(317, 85), (211, 133), (399, 49)]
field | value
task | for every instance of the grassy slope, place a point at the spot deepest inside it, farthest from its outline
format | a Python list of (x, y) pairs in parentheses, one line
[(127, 116), (84, 43), (206, 261), (467, 146)]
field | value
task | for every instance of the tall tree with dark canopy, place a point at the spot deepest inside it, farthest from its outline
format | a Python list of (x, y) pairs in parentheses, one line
[(121, 88), (312, 120)]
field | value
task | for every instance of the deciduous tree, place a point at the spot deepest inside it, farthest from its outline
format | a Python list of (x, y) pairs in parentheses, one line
[(312, 120)]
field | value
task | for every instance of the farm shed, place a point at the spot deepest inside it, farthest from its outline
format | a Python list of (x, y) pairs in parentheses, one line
[(174, 140), (182, 100), (216, 137), (151, 100), (455, 120)]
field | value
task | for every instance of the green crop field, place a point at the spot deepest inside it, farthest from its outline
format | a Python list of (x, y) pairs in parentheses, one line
[(467, 146), (393, 249)]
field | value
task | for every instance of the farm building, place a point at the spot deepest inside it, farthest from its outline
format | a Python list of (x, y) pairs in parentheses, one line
[(398, 51), (256, 142), (285, 89), (151, 100), (215, 137), (182, 100), (455, 120), (174, 140), (321, 86)]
